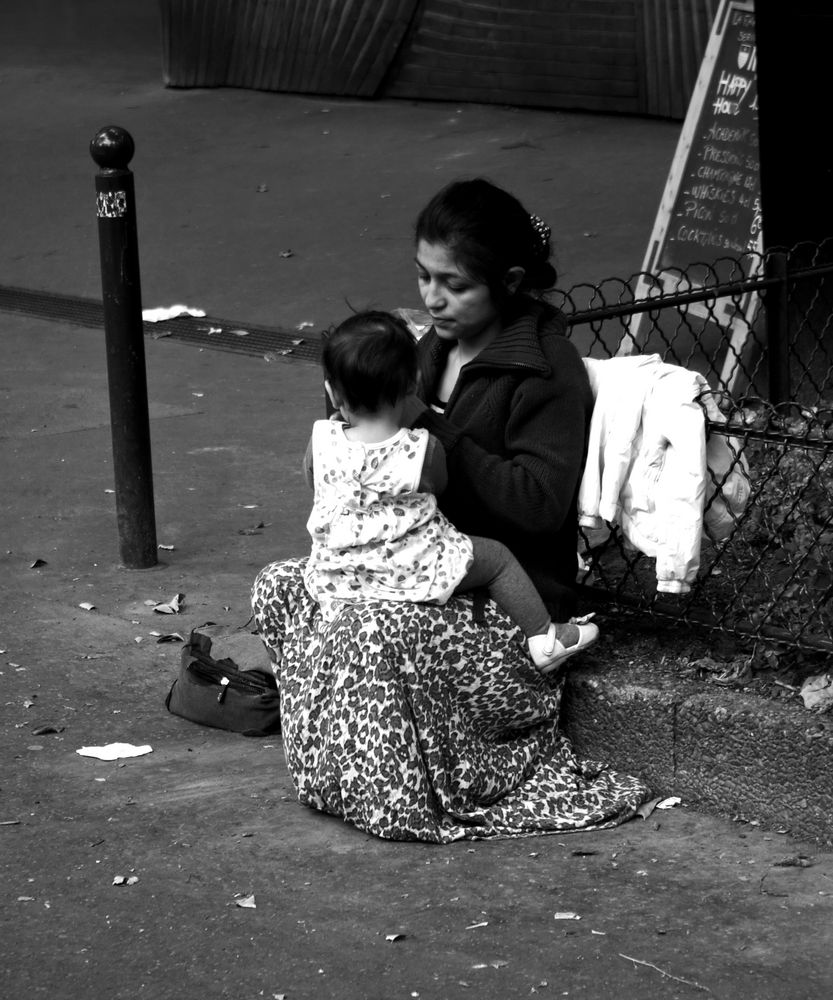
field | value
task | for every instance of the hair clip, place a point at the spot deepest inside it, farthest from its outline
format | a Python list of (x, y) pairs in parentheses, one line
[(543, 232)]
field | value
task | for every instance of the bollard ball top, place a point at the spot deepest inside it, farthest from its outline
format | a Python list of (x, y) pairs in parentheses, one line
[(112, 148)]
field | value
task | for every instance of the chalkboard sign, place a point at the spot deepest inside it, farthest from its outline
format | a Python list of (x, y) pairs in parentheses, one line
[(710, 212)]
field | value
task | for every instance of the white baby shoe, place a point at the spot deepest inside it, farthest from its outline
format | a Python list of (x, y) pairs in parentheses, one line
[(548, 652)]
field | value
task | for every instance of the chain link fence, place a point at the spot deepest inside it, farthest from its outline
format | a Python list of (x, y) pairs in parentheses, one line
[(759, 332)]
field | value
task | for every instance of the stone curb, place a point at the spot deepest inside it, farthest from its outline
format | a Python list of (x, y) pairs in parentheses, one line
[(724, 752)]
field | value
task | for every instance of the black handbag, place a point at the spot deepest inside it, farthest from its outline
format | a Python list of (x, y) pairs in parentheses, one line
[(218, 693)]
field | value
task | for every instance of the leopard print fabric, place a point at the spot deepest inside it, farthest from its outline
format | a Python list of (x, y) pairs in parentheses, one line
[(413, 722)]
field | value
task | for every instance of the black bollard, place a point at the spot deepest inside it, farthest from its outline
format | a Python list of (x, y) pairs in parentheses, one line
[(112, 149)]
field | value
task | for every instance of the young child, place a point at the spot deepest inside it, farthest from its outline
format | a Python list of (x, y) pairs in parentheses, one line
[(377, 533)]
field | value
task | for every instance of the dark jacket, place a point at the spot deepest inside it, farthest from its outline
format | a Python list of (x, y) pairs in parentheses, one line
[(515, 434)]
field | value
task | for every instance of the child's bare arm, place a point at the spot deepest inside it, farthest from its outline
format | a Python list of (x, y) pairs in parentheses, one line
[(307, 466)]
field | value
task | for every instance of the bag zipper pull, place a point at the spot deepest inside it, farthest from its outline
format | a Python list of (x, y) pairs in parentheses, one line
[(224, 683)]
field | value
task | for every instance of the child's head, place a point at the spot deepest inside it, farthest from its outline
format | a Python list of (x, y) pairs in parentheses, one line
[(489, 232), (370, 361)]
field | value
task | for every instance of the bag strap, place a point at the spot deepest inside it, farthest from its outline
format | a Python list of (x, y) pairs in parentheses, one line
[(196, 654)]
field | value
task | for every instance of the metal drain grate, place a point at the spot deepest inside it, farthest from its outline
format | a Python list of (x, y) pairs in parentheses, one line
[(216, 334)]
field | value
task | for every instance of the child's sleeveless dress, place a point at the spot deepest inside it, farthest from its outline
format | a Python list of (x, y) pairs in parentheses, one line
[(374, 536)]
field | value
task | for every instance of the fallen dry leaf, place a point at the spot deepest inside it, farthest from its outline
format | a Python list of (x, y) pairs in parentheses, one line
[(172, 607), (817, 692), (169, 637), (647, 808)]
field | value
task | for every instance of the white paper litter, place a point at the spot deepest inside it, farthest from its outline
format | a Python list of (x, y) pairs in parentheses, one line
[(114, 751), (161, 313), (669, 803)]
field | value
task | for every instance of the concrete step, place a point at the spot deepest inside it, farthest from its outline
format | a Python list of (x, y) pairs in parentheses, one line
[(725, 752)]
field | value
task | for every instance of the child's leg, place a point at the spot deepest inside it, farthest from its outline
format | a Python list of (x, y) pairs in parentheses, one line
[(495, 568)]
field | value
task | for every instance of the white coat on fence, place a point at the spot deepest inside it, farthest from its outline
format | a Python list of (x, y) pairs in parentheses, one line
[(651, 469)]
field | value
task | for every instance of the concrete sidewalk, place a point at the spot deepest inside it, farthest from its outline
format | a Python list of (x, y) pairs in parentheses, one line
[(671, 906), (228, 179), (678, 904)]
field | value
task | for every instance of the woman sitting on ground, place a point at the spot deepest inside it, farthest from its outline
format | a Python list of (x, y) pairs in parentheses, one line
[(430, 722)]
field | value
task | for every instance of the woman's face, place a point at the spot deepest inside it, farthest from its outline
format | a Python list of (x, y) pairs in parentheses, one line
[(460, 307)]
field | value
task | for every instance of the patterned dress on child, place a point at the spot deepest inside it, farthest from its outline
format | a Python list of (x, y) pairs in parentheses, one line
[(374, 535)]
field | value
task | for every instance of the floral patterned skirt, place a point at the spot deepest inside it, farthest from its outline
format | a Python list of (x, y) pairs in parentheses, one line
[(416, 722)]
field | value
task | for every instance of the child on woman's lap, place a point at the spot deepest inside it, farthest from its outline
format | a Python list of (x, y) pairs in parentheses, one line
[(376, 530)]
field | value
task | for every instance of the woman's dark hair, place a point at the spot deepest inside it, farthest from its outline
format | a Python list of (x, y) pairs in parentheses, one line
[(489, 231), (370, 360)]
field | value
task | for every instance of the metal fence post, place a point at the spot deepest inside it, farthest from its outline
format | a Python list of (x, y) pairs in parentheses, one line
[(112, 149), (776, 307)]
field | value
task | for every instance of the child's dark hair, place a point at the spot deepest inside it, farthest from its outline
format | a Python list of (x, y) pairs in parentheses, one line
[(370, 360), (489, 231)]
